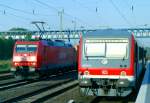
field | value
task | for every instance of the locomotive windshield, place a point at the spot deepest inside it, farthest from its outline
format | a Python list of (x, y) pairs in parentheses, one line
[(106, 48), (26, 48)]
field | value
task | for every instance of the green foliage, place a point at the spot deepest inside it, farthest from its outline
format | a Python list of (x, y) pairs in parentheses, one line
[(6, 48), (28, 37), (5, 65)]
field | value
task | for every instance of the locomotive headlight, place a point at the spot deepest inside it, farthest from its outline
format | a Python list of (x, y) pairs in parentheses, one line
[(16, 64), (34, 64), (86, 73), (123, 73), (32, 58), (16, 58)]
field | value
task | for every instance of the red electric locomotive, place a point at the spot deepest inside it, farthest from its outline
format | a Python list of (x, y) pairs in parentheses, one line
[(42, 57), (110, 63)]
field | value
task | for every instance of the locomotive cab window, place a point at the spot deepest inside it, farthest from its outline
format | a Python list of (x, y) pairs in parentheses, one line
[(20, 48), (106, 48), (31, 48), (26, 48)]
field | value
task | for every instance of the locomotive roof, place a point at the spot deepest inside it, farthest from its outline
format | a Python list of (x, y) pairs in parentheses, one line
[(47, 42), (27, 42), (108, 33), (56, 43)]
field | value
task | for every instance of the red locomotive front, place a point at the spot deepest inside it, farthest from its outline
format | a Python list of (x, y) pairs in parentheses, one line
[(26, 57)]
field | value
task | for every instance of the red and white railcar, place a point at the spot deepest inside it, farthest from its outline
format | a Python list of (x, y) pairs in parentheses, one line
[(110, 63)]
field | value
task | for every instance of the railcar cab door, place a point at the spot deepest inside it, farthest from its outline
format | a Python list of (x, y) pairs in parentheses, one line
[(141, 59), (136, 61)]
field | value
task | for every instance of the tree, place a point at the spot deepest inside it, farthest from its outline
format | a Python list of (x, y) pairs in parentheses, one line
[(18, 29), (28, 36), (6, 46)]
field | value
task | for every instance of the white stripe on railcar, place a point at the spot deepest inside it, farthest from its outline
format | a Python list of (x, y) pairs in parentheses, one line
[(130, 78)]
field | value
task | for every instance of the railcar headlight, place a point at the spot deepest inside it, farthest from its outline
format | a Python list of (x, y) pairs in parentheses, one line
[(123, 73), (86, 72)]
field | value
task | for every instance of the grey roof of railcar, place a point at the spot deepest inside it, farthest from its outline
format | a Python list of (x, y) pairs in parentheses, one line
[(109, 33)]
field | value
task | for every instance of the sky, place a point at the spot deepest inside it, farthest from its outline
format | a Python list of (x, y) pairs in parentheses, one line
[(78, 14)]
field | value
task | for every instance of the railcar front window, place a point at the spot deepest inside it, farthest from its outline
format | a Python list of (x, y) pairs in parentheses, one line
[(106, 48), (26, 48), (95, 49), (116, 50)]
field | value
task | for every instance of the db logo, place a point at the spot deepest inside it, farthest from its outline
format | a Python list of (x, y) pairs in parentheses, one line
[(23, 58), (104, 72), (104, 61)]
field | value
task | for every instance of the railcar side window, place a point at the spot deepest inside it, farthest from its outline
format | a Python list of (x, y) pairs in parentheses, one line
[(148, 53)]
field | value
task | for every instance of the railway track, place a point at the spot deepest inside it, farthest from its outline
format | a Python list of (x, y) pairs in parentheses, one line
[(30, 90), (49, 92), (70, 95), (8, 82), (12, 83), (15, 84), (55, 89), (73, 96), (4, 76)]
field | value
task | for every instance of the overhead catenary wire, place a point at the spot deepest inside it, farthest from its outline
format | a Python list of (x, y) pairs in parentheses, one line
[(131, 5), (120, 13), (23, 11), (22, 18), (133, 13), (33, 12), (27, 19), (19, 10), (49, 6), (96, 10), (18, 16), (33, 5)]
